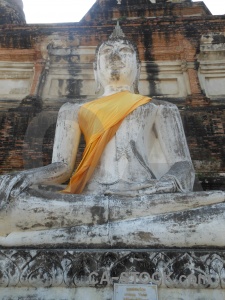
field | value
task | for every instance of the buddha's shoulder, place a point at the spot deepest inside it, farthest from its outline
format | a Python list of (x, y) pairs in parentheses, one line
[(162, 103), (69, 110), (75, 105)]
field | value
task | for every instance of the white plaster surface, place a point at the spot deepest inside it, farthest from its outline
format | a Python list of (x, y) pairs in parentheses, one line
[(212, 65), (56, 294), (61, 71), (170, 80), (103, 294), (189, 294), (15, 79)]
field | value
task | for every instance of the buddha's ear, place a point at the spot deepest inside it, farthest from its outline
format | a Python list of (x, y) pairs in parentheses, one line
[(136, 81), (97, 82)]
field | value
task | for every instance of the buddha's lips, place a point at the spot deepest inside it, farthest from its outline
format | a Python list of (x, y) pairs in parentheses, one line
[(116, 65)]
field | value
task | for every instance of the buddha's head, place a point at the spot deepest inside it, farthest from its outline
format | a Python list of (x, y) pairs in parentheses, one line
[(117, 62)]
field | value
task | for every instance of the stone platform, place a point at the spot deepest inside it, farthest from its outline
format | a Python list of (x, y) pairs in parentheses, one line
[(62, 274), (42, 219)]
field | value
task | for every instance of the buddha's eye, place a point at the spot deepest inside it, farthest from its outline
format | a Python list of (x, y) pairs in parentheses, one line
[(126, 50), (106, 50)]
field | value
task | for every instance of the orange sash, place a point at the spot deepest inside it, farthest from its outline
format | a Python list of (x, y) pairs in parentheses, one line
[(99, 121)]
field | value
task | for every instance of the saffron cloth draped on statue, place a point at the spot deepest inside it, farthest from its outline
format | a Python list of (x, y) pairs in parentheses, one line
[(99, 121)]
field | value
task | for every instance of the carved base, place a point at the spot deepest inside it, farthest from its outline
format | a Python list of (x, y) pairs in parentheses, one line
[(90, 274)]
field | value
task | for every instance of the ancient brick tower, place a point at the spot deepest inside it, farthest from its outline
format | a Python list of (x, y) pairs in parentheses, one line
[(132, 9), (11, 12)]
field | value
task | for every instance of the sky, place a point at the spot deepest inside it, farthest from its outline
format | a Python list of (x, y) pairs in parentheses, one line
[(57, 11)]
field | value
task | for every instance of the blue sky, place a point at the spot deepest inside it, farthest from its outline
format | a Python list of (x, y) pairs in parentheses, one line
[(56, 11)]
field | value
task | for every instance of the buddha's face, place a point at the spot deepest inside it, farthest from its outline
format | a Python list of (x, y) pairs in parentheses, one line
[(117, 63)]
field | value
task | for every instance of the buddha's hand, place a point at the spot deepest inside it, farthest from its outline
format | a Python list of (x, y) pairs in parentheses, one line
[(167, 184), (12, 185), (164, 185)]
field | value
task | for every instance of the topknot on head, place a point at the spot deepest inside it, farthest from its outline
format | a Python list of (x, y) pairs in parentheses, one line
[(117, 33)]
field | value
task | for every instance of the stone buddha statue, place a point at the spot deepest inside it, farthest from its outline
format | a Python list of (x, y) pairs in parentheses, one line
[(136, 173), (147, 152)]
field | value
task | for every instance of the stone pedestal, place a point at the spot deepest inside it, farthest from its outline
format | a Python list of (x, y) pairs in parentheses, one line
[(90, 274)]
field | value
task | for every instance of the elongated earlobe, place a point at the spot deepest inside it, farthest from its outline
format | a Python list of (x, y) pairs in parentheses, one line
[(97, 83), (136, 81)]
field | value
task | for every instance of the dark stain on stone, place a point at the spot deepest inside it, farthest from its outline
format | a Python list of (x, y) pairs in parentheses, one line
[(138, 262), (30, 104), (218, 39), (147, 236), (98, 215), (74, 87), (108, 259), (151, 69), (202, 214)]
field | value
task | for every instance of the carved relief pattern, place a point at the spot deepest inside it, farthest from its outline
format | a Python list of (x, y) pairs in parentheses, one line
[(40, 268)]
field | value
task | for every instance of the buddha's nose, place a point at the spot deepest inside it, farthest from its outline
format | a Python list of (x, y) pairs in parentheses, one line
[(115, 54)]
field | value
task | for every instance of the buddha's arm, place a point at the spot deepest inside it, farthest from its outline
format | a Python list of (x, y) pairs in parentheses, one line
[(67, 138), (173, 143), (64, 154), (169, 131)]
